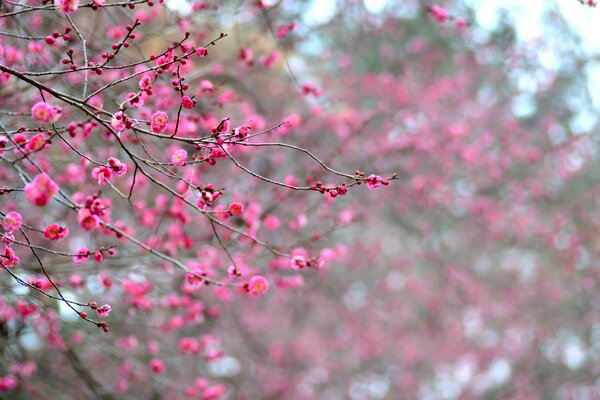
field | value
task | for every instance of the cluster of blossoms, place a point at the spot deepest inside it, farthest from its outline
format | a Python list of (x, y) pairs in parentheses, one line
[(164, 126), (441, 15), (113, 167), (12, 222)]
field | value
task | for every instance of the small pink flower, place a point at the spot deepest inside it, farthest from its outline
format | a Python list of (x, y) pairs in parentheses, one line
[(12, 221), (41, 190), (272, 222), (179, 157), (10, 259), (270, 60), (8, 383), (101, 174), (166, 61), (118, 121), (284, 30), (201, 51), (236, 208), (374, 181), (157, 365), (117, 167), (37, 142), (439, 14), (103, 311), (207, 86), (56, 232), (8, 239), (87, 220), (159, 122), (67, 6), (42, 112), (460, 24), (258, 285), (298, 262), (81, 255), (187, 102)]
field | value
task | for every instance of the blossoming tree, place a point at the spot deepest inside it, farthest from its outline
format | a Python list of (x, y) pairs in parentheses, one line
[(194, 205)]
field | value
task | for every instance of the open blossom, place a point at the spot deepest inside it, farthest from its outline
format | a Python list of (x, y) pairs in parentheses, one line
[(87, 220), (439, 14), (117, 167), (118, 121), (269, 60), (298, 262), (37, 142), (258, 285), (179, 157), (166, 60), (207, 87), (41, 190), (103, 311), (201, 51), (159, 122), (67, 6), (374, 181), (12, 221), (101, 174), (8, 239), (56, 232), (236, 208), (81, 255), (10, 259), (44, 112)]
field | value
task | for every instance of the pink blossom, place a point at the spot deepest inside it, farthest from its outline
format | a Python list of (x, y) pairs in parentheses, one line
[(460, 24), (44, 112), (284, 30), (374, 181), (36, 143), (179, 157), (87, 220), (10, 259), (12, 221), (270, 60), (117, 167), (439, 14), (159, 122), (56, 232), (118, 121), (101, 174), (236, 208), (8, 383), (187, 102), (258, 285), (41, 190), (298, 262), (81, 255), (272, 222), (157, 365), (67, 6), (103, 311)]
